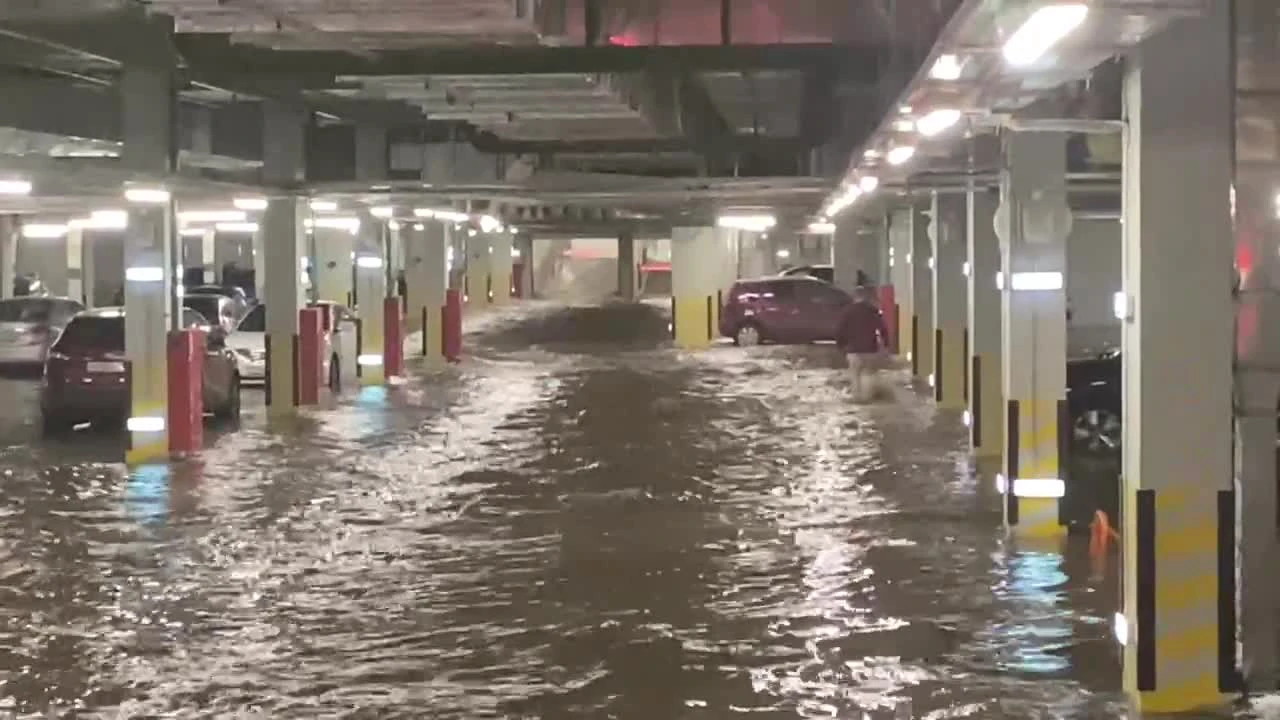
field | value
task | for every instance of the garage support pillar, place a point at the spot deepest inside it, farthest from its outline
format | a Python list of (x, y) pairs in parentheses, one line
[(694, 283), (75, 252), (1179, 505), (426, 280), (986, 413), (922, 320), (1033, 222), (281, 243), (10, 227), (501, 260), (951, 334), (626, 267), (149, 93), (478, 276), (371, 292), (332, 264), (898, 224)]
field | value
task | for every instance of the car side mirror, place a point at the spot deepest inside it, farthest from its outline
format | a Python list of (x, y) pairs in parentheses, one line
[(216, 339)]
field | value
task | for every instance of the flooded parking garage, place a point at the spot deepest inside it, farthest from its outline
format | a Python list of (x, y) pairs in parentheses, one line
[(577, 523)]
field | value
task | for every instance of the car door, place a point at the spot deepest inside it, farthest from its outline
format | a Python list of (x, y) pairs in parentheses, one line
[(820, 306), (774, 308)]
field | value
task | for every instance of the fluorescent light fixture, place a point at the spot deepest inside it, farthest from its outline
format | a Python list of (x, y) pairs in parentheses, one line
[(147, 195), (1045, 28), (368, 261), (250, 203), (930, 262), (214, 216), (908, 356), (490, 224), (419, 227), (370, 360), (515, 253), (751, 223), (999, 280), (393, 224), (237, 227), (905, 109), (102, 220), (383, 213), (145, 424), (1120, 306), (904, 125), (783, 254), (513, 230), (424, 212), (471, 232), (351, 224), (192, 232), (1001, 483), (932, 380), (908, 258), (947, 67), (15, 187), (964, 269), (1039, 488), (901, 154), (1120, 628), (144, 274), (323, 205), (871, 154), (822, 228), (43, 231), (967, 418), (936, 122), (868, 183), (1036, 281)]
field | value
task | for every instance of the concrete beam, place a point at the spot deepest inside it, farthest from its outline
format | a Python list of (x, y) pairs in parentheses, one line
[(490, 143), (855, 64)]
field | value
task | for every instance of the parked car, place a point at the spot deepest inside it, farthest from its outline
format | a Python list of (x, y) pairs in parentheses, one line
[(793, 309), (220, 310), (241, 301), (29, 325), (29, 285), (249, 343), (86, 378), (825, 273)]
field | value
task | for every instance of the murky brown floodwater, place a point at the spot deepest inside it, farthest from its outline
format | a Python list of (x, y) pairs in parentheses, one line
[(576, 524)]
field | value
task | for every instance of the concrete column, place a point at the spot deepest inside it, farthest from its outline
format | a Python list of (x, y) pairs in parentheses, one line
[(281, 242), (626, 267), (74, 247), (208, 247), (9, 229), (500, 262), (1179, 505), (477, 269), (257, 260), (922, 321), (372, 152), (694, 282), (986, 375), (1033, 222), (371, 290), (88, 275), (951, 333), (898, 224), (332, 263), (149, 121), (426, 280), (856, 247)]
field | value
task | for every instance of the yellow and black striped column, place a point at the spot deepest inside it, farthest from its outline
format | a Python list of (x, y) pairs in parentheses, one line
[(950, 338), (696, 270), (922, 321), (1033, 472)]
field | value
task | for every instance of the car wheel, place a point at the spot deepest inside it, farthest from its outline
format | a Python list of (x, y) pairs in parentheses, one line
[(335, 374), (231, 411), (748, 335), (1097, 431)]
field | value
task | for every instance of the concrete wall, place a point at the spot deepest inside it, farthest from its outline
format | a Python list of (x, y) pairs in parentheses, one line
[(1093, 279)]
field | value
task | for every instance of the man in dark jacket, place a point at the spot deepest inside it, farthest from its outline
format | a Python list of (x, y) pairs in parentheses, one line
[(862, 336)]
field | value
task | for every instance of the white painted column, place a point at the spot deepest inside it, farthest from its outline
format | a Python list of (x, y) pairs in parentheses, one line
[(1179, 509), (847, 254), (88, 274), (75, 263), (257, 261), (477, 269), (281, 242), (986, 336), (899, 230), (426, 280), (951, 334), (9, 229), (500, 263), (149, 124), (371, 291), (332, 264), (1033, 222), (922, 326), (694, 281), (208, 250)]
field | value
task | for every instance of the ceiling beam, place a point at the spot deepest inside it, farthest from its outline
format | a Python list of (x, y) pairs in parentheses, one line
[(490, 143)]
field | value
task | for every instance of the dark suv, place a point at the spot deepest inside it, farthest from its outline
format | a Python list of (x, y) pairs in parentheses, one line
[(791, 310), (86, 376)]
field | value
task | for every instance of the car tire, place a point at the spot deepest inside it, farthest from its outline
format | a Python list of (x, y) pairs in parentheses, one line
[(335, 374), (54, 425), (748, 335), (230, 412)]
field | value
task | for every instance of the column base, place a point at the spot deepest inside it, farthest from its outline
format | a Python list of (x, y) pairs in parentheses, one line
[(282, 376), (1034, 485), (501, 289), (150, 452), (693, 321), (986, 423), (430, 320), (950, 386)]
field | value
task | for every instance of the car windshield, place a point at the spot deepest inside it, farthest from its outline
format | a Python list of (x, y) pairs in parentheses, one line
[(24, 311), (206, 305), (93, 332), (255, 321)]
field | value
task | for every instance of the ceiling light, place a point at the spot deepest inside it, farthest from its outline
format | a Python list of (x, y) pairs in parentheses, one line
[(905, 109), (382, 212), (513, 230), (393, 225), (868, 183), (39, 231), (900, 154), (351, 224), (15, 187), (424, 212), (323, 205), (947, 67), (822, 228), (490, 224), (147, 195), (937, 121), (102, 220), (752, 223), (236, 227), (250, 203), (903, 125), (192, 232), (1044, 29), (871, 154), (212, 216), (419, 227)]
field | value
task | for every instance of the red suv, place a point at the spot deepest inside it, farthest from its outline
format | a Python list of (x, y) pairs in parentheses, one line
[(791, 310), (85, 378)]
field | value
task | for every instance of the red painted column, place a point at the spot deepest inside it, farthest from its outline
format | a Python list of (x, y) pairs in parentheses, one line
[(186, 401), (452, 325), (392, 338), (311, 322), (888, 302)]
